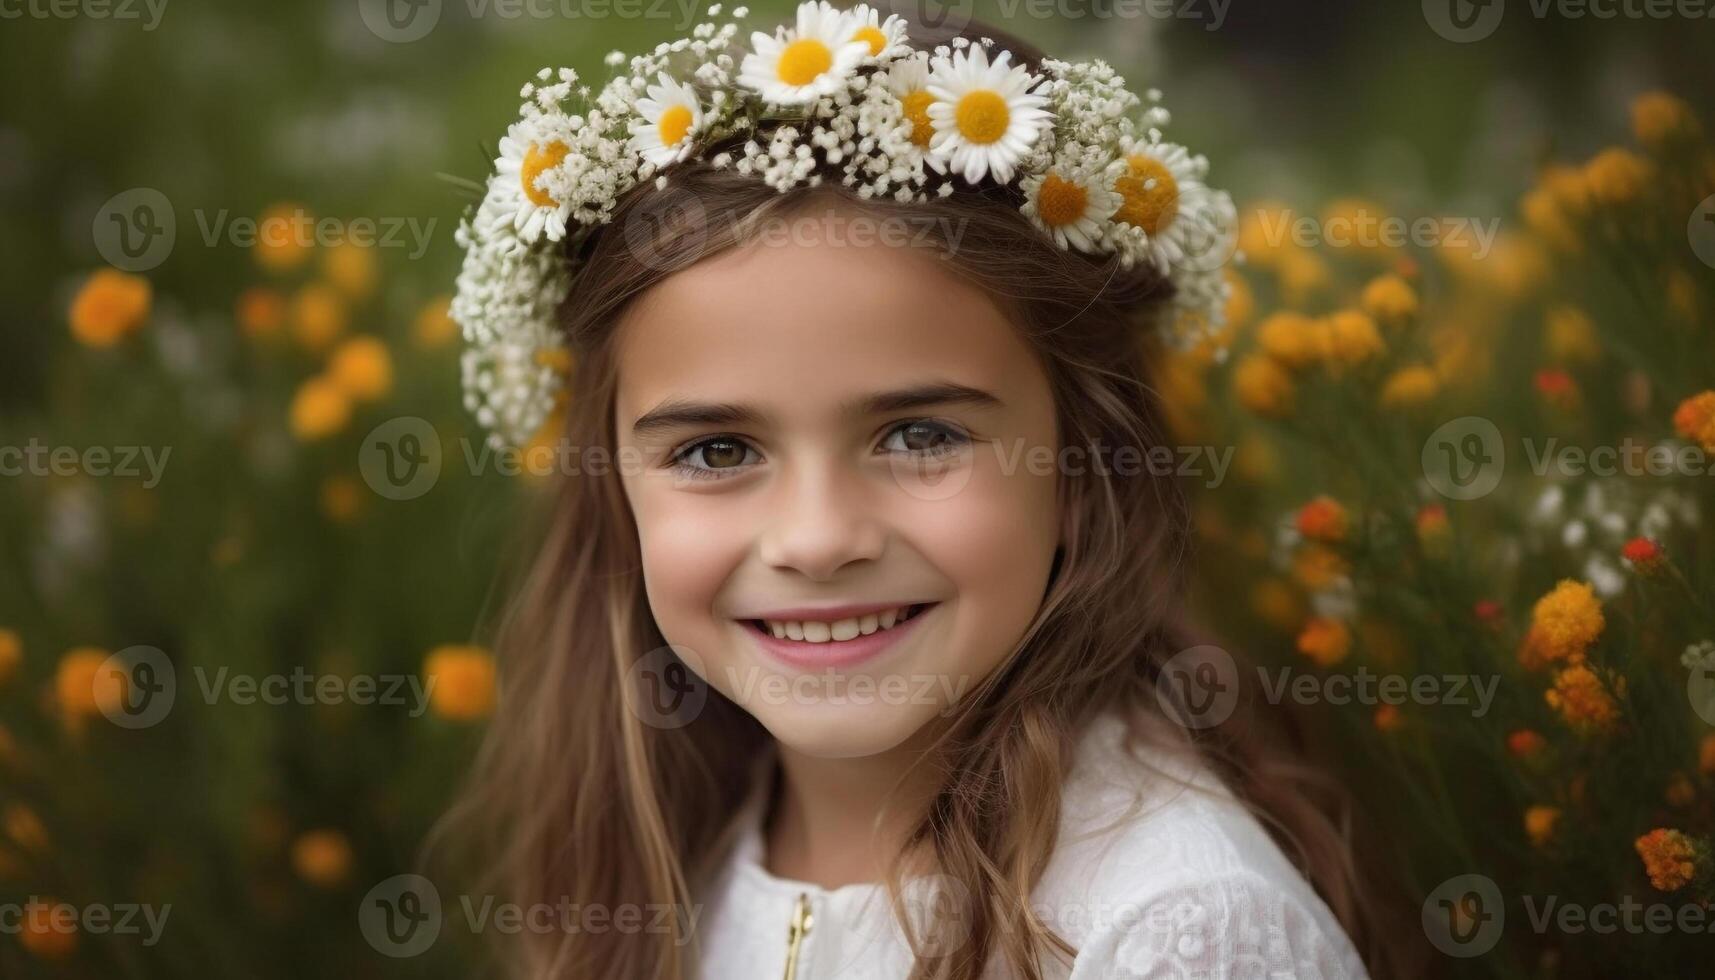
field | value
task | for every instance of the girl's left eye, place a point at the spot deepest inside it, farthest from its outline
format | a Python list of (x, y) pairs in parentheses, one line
[(919, 437)]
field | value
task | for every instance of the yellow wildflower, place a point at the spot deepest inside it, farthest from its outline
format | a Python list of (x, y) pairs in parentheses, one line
[(351, 268), (1569, 336), (322, 857), (362, 368), (1352, 338), (109, 306), (1410, 387), (260, 311), (1583, 700), (1325, 640), (1659, 118), (433, 327), (462, 679), (283, 237), (1262, 386), (319, 409), (1539, 823), (1293, 339), (1616, 176), (1389, 299), (11, 654), (82, 688), (318, 316), (1567, 620)]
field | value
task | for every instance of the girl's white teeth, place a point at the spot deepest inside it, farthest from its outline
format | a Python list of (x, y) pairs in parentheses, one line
[(840, 629)]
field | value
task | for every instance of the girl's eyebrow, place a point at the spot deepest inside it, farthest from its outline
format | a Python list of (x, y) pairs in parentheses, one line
[(675, 412)]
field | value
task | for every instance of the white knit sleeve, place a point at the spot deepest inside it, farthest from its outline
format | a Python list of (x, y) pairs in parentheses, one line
[(1234, 925)]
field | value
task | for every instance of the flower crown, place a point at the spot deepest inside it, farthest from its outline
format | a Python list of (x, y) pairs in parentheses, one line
[(838, 93)]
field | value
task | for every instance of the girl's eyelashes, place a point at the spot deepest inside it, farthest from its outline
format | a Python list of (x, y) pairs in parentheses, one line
[(928, 438)]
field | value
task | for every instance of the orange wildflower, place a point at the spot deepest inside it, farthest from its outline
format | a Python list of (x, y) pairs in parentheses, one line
[(1670, 858)]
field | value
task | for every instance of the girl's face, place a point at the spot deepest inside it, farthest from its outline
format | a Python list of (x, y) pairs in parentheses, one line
[(827, 429)]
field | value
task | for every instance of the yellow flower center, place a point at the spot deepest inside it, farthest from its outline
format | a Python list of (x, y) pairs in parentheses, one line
[(982, 116), (803, 60), (536, 160), (916, 106), (1150, 195), (674, 123), (1060, 202), (871, 36)]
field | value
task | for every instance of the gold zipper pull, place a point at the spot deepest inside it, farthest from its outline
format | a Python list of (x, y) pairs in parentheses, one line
[(796, 930)]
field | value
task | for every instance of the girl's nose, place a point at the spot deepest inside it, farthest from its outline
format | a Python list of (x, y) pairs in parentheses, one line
[(821, 519)]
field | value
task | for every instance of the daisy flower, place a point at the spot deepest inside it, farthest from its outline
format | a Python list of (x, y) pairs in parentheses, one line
[(526, 155), (886, 38), (1165, 200), (908, 80), (1069, 205), (985, 116), (799, 66), (671, 119)]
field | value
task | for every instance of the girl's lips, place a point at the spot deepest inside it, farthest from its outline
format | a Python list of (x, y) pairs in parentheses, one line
[(834, 653)]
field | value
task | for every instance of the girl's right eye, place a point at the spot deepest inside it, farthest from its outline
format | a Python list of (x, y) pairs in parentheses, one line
[(718, 453)]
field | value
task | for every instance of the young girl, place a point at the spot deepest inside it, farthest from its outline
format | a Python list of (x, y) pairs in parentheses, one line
[(843, 652)]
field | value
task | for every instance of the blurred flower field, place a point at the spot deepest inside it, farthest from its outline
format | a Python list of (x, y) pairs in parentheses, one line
[(1474, 466)]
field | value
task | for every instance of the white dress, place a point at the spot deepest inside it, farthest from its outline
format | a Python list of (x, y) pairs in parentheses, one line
[(1149, 879)]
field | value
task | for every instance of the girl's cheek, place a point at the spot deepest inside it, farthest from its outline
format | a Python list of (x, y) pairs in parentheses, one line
[(689, 552)]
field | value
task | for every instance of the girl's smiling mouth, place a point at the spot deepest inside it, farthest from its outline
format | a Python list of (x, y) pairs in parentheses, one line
[(836, 637)]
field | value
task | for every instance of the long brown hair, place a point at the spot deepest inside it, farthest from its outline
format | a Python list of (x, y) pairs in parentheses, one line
[(573, 797)]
